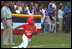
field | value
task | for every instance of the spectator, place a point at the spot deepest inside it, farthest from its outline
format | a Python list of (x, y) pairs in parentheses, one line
[(12, 7), (20, 6), (67, 18), (61, 4), (32, 4), (50, 12), (6, 16), (42, 10), (36, 6), (16, 5), (23, 9), (53, 4), (26, 8), (53, 24), (30, 11), (17, 11), (46, 23), (60, 17)]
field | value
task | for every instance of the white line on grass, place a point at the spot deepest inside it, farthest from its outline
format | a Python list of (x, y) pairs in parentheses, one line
[(49, 45)]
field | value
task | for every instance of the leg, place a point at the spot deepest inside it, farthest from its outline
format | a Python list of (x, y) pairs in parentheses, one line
[(66, 25), (63, 28), (24, 44), (53, 26), (60, 24), (5, 35), (10, 36), (10, 32), (47, 27)]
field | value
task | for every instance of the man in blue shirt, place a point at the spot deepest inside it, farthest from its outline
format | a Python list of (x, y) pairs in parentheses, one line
[(50, 12), (67, 18)]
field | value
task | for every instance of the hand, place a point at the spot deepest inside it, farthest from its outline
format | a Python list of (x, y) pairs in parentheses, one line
[(7, 26), (12, 24)]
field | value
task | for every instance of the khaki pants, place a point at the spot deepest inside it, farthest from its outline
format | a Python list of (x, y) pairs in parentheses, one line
[(60, 24), (8, 34)]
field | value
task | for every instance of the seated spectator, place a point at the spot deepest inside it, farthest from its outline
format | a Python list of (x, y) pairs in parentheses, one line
[(17, 11), (36, 6), (46, 24), (42, 10), (12, 7), (20, 6), (16, 5), (30, 11)]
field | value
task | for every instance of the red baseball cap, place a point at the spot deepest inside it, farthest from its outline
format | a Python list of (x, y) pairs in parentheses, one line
[(30, 19)]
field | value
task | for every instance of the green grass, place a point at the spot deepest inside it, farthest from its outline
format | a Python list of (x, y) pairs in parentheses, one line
[(49, 40)]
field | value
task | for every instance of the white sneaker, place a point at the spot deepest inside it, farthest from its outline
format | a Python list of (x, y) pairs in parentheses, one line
[(15, 47)]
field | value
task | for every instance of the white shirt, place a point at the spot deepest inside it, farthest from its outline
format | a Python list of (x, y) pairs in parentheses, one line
[(43, 11), (26, 8), (5, 12), (18, 11), (30, 13), (60, 13), (20, 8), (15, 6), (42, 19)]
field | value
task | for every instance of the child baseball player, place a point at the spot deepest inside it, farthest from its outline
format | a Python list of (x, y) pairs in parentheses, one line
[(29, 30)]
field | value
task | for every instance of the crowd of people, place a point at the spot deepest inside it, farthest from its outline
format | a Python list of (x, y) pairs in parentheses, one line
[(55, 16)]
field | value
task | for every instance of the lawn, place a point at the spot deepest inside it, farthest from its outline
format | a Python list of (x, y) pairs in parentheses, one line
[(49, 40)]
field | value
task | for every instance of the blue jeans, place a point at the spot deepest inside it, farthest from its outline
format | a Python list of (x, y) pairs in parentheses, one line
[(46, 27)]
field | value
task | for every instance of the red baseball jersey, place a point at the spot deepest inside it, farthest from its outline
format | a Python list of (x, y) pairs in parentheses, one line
[(28, 30)]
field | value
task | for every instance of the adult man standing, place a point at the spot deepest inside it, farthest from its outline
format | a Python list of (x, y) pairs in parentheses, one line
[(60, 17), (67, 18), (6, 16)]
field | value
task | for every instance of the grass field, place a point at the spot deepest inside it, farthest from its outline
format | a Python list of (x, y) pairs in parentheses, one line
[(49, 40)]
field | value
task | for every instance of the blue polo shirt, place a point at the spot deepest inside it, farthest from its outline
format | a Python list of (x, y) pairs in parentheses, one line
[(49, 10), (67, 10)]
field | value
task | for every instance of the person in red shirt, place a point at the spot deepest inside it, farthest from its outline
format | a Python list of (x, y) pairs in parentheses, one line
[(29, 30)]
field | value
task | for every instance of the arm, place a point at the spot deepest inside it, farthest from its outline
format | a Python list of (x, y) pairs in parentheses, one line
[(21, 26), (3, 16)]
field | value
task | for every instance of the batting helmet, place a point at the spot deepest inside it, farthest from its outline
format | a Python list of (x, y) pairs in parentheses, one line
[(30, 19)]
